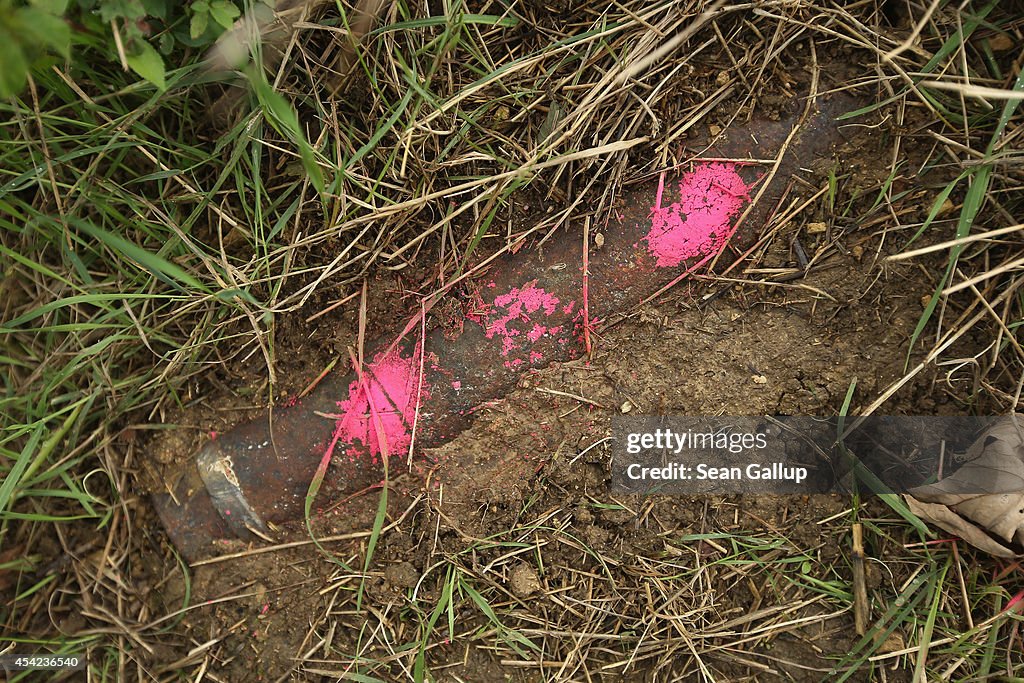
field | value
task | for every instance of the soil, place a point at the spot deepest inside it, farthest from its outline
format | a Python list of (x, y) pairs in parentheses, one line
[(517, 519), (531, 456)]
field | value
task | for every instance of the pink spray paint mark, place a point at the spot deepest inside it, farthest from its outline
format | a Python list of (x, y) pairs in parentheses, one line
[(711, 197), (391, 383), (524, 304)]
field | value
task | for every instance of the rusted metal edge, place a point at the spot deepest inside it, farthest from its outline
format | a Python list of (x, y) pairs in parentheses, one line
[(217, 471)]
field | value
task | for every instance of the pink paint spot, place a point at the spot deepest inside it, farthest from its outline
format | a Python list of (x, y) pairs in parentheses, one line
[(520, 304), (711, 197), (391, 382)]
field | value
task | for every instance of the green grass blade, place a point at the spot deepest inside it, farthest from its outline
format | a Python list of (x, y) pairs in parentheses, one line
[(282, 117), (162, 269), (13, 477)]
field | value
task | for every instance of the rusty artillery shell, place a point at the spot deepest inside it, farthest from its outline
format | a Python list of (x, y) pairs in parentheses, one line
[(526, 311)]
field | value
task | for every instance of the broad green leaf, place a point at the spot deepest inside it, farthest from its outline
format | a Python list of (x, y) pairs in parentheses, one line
[(157, 8), (197, 27), (148, 63), (111, 10), (55, 7), (13, 66), (224, 12), (38, 26), (165, 43)]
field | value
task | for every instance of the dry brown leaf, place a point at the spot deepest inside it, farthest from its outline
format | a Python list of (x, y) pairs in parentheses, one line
[(983, 501), (947, 520), (894, 642)]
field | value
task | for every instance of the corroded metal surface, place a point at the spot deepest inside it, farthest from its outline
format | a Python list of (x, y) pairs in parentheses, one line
[(524, 312)]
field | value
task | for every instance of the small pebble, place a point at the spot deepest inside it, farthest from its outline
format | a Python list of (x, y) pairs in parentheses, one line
[(402, 575), (524, 581)]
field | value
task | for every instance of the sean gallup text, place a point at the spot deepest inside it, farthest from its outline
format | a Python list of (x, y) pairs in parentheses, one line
[(775, 471)]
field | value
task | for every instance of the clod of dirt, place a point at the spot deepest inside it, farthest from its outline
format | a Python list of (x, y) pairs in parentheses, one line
[(524, 581), (402, 575), (259, 595), (983, 501)]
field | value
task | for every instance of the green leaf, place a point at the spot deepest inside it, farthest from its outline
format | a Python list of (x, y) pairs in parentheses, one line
[(13, 476), (157, 8), (148, 63), (130, 10), (224, 12), (197, 27), (163, 269), (447, 19), (13, 66), (54, 7), (977, 195), (940, 199), (38, 26), (281, 115)]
